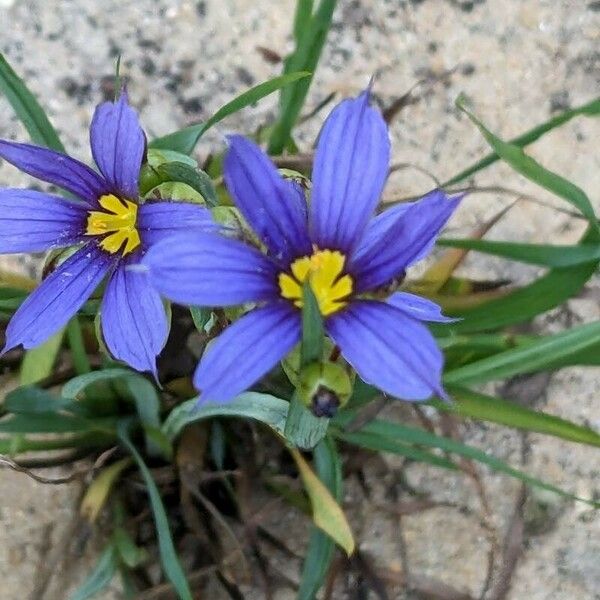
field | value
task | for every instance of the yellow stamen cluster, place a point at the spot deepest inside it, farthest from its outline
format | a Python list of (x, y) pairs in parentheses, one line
[(118, 224), (323, 270)]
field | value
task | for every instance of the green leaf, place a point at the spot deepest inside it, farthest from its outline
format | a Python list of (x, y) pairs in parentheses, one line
[(100, 577), (413, 435), (185, 140), (467, 403), (313, 332), (327, 513), (168, 555), (319, 553), (589, 109), (180, 172), (201, 316), (29, 399), (310, 36), (75, 387), (261, 407), (27, 108), (378, 443), (38, 362), (302, 428), (527, 302), (532, 170), (53, 423), (545, 255), (75, 338), (535, 356)]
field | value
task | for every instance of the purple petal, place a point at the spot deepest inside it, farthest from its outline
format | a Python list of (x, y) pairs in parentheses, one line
[(271, 205), (246, 351), (58, 298), (158, 220), (418, 307), (388, 349), (32, 221), (409, 238), (208, 269), (118, 143), (134, 323), (56, 168), (350, 169)]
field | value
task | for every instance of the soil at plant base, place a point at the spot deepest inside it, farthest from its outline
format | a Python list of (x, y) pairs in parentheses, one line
[(519, 62)]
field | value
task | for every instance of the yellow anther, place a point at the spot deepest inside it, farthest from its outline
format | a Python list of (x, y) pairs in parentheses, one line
[(323, 270), (117, 224)]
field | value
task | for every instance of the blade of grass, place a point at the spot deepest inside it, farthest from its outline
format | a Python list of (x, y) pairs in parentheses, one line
[(27, 108), (321, 547), (310, 32), (532, 170), (185, 139), (421, 437), (545, 255), (535, 356), (474, 405), (589, 109), (168, 554)]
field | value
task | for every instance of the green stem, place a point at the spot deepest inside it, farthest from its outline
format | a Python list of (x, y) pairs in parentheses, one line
[(75, 337)]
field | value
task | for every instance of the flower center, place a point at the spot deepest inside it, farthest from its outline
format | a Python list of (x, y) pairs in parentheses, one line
[(323, 270), (117, 223)]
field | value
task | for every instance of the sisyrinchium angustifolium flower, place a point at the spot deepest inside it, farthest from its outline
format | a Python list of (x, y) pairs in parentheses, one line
[(347, 255), (111, 228)]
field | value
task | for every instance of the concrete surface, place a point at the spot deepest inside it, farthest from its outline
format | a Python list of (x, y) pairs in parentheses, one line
[(517, 60)]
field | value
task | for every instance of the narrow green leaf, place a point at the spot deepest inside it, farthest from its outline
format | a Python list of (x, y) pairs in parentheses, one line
[(545, 255), (313, 332), (261, 407), (421, 437), (100, 577), (185, 139), (467, 403), (528, 358), (542, 295), (168, 554), (75, 338), (27, 108), (38, 362), (53, 423), (302, 428), (319, 553), (589, 109), (201, 316), (180, 172), (76, 386), (532, 170), (310, 38), (378, 443), (29, 399)]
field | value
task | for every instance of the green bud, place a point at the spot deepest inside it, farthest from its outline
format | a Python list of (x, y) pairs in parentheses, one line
[(324, 387)]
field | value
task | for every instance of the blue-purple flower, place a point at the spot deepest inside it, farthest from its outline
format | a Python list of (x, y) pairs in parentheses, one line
[(112, 228), (346, 254)]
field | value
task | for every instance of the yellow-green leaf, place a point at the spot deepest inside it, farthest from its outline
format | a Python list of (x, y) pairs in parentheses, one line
[(327, 513)]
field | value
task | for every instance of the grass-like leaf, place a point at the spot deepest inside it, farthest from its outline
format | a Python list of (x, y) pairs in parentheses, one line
[(413, 435), (319, 553), (467, 403), (185, 139), (168, 554), (310, 31), (589, 109), (27, 108), (532, 170), (545, 255), (535, 356)]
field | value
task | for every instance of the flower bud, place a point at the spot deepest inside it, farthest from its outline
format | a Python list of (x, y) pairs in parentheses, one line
[(324, 387)]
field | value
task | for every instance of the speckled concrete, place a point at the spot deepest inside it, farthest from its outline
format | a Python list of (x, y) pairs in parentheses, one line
[(517, 60)]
